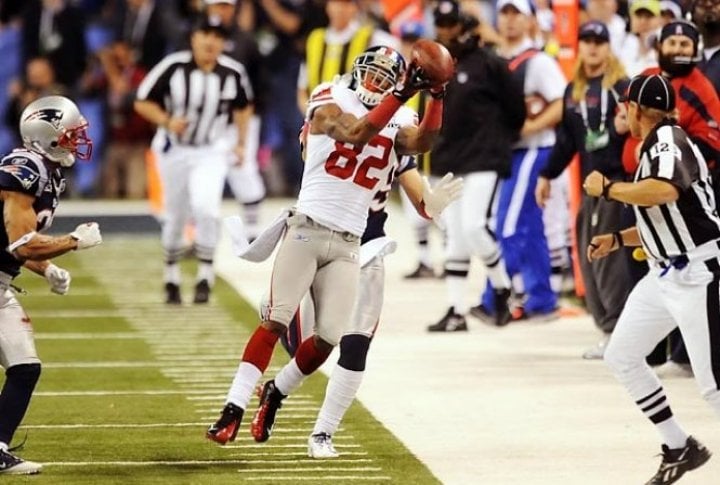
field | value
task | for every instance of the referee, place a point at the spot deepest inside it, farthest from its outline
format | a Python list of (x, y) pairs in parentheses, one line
[(193, 96), (679, 229)]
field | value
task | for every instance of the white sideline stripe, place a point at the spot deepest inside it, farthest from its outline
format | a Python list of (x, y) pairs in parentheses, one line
[(130, 364), (117, 425), (285, 417), (324, 478), (150, 392), (315, 469), (275, 445), (146, 463), (299, 396), (88, 336), (302, 453)]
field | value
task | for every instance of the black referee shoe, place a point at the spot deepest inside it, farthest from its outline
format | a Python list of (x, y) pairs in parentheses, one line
[(202, 292), (172, 294), (450, 322), (503, 315), (677, 462)]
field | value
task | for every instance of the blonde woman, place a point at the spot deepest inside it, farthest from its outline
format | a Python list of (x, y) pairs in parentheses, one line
[(587, 129)]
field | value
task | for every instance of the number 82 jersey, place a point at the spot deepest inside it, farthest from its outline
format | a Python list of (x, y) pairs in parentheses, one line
[(339, 179)]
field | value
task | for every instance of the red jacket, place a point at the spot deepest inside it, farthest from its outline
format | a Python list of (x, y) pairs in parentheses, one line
[(699, 107)]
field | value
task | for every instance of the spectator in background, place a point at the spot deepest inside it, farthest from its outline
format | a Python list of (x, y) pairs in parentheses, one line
[(331, 50), (55, 29), (606, 11), (484, 111), (638, 51), (244, 178), (587, 129), (123, 172), (706, 15), (39, 81), (669, 11), (143, 27), (520, 226), (279, 27)]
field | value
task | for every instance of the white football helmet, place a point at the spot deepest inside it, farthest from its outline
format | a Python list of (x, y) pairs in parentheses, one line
[(54, 127), (375, 72)]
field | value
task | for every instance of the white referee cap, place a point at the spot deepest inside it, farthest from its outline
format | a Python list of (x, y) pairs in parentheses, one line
[(215, 2)]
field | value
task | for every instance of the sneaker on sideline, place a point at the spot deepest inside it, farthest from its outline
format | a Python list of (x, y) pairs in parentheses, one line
[(597, 352), (14, 465), (450, 322), (673, 370), (675, 463)]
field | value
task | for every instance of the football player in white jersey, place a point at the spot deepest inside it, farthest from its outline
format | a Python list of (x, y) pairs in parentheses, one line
[(354, 133), (355, 342)]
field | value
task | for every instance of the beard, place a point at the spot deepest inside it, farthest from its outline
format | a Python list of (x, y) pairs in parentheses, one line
[(673, 68)]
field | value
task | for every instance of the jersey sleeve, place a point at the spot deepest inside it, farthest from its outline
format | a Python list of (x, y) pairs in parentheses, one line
[(666, 158), (406, 163), (157, 82), (545, 78), (406, 116), (321, 95), (19, 173)]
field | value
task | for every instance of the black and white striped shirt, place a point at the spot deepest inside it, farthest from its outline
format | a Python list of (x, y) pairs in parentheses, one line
[(206, 99), (676, 228)]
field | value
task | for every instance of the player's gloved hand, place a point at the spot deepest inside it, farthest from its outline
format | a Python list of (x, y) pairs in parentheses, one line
[(437, 198), (413, 81), (87, 235), (58, 278)]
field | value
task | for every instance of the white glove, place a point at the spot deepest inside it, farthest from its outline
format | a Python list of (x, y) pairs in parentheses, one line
[(436, 199), (87, 235), (58, 278)]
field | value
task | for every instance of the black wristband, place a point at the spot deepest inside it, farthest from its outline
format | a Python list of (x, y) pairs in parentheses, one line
[(618, 239), (606, 189), (438, 95)]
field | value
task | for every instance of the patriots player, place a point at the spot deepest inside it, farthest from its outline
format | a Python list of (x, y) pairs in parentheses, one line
[(31, 180), (354, 133)]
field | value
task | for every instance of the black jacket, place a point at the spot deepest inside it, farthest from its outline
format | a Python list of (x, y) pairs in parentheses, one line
[(571, 134), (483, 114), (711, 69)]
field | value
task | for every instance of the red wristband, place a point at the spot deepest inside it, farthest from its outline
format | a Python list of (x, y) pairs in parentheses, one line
[(432, 121), (381, 114)]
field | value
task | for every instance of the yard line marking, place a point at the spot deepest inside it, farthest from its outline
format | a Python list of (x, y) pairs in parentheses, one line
[(324, 478), (301, 453), (149, 392), (114, 425), (314, 469), (138, 363), (87, 336), (275, 445)]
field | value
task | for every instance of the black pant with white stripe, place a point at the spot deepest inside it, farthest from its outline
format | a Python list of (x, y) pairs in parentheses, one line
[(688, 298)]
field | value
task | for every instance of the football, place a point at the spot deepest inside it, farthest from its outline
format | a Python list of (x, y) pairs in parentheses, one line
[(434, 59)]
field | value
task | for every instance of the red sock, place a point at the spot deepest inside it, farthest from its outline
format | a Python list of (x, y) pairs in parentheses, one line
[(309, 358), (259, 348)]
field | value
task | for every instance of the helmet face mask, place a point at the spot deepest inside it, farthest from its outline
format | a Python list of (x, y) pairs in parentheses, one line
[(375, 72), (54, 127)]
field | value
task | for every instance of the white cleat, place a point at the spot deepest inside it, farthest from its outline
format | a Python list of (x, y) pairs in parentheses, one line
[(320, 447), (12, 465)]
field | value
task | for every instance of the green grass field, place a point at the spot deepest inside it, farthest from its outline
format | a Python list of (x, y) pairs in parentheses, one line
[(129, 386)]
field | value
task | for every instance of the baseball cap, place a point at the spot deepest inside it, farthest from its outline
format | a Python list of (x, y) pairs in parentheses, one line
[(652, 6), (680, 27), (523, 6), (212, 24), (651, 91), (412, 30), (672, 7), (594, 29), (446, 13)]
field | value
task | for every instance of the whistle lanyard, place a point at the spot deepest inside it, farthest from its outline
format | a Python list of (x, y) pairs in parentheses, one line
[(603, 111)]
